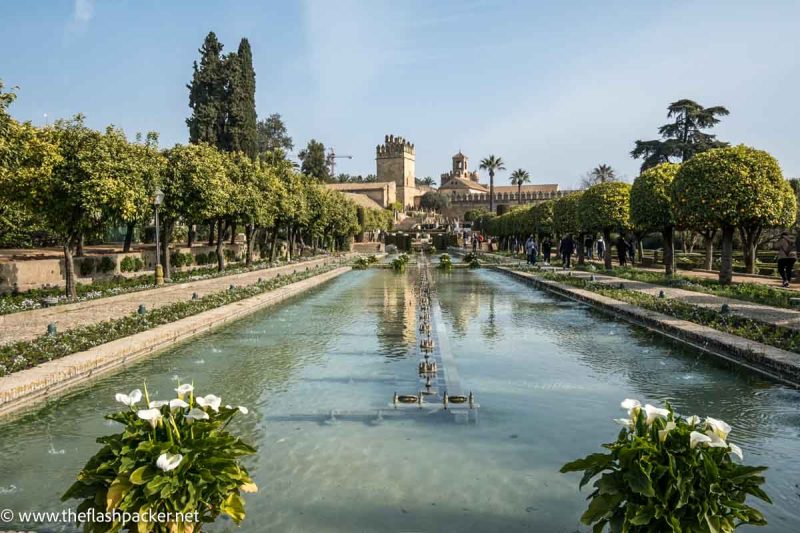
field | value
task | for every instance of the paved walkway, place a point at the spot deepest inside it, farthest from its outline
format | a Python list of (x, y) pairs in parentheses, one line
[(788, 318), (28, 325)]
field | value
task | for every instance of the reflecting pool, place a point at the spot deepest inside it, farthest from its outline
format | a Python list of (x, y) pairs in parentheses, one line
[(549, 375)]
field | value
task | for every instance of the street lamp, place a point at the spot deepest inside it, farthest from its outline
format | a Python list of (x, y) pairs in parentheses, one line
[(158, 199)]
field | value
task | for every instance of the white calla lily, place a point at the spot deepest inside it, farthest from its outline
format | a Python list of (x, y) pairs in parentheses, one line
[(693, 420), (151, 415), (196, 414), (735, 450), (176, 404), (184, 389), (696, 438), (242, 409), (720, 428), (716, 442), (209, 400), (654, 412), (625, 422), (157, 404), (662, 433), (629, 404), (169, 461), (133, 398)]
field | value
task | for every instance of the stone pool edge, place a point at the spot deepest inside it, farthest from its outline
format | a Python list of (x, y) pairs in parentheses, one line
[(774, 363), (24, 389)]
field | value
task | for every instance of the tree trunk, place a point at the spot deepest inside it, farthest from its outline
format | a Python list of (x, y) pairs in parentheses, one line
[(750, 237), (607, 253), (192, 235), (274, 246), (249, 233), (233, 233), (220, 242), (211, 233), (290, 238), (726, 265), (166, 238), (491, 191), (669, 251), (79, 250), (708, 236), (126, 247), (581, 249), (69, 270)]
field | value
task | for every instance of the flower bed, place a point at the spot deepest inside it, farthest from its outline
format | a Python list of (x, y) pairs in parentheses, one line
[(26, 354), (14, 303)]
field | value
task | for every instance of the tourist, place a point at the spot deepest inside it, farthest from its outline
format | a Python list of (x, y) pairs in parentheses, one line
[(528, 249), (587, 247), (631, 251), (601, 248), (565, 249), (546, 249), (622, 251), (474, 243), (787, 255)]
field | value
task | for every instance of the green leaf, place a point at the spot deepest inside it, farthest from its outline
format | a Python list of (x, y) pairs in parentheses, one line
[(142, 475), (233, 506), (601, 506), (595, 460)]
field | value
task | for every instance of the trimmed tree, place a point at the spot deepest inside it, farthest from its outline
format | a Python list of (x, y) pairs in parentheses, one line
[(566, 220), (605, 207), (730, 188), (651, 207), (434, 200)]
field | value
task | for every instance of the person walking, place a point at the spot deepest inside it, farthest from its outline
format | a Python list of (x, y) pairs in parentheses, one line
[(587, 247), (622, 251), (529, 249), (787, 255), (601, 248), (566, 249), (547, 247)]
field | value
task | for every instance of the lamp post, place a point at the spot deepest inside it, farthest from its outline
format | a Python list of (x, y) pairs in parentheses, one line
[(158, 198)]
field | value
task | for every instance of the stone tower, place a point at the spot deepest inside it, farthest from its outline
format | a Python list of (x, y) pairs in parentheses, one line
[(395, 160)]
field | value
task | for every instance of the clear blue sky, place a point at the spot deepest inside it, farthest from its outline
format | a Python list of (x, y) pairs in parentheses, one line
[(552, 87)]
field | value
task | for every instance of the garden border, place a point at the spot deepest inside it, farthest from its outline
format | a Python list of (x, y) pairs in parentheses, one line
[(774, 363), (24, 389)]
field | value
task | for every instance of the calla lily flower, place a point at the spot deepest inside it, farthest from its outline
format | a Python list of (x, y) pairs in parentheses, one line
[(169, 461), (184, 389), (625, 422), (693, 420), (157, 404), (654, 412), (716, 442), (696, 438), (720, 428), (129, 399), (630, 404), (196, 414), (735, 450), (662, 433), (209, 400), (151, 415), (242, 409), (176, 404)]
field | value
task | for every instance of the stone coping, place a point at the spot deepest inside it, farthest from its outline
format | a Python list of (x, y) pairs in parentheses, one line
[(777, 364), (24, 389)]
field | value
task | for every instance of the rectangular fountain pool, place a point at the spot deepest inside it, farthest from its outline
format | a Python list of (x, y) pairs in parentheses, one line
[(549, 375)]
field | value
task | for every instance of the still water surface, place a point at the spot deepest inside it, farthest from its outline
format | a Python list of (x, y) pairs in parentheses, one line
[(548, 374)]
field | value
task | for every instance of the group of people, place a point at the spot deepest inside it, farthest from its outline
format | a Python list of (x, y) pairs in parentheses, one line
[(567, 247)]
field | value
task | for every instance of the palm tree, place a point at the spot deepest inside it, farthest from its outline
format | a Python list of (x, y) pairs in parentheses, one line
[(492, 164), (427, 180), (600, 174), (518, 178)]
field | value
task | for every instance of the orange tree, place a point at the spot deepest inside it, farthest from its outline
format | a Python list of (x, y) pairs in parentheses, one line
[(651, 207), (605, 207), (736, 187)]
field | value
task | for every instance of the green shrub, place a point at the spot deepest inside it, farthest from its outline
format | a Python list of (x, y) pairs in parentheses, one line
[(106, 265), (201, 258), (669, 473), (179, 259), (138, 264), (362, 263), (174, 457), (445, 263), (127, 264), (474, 263), (398, 265), (230, 256), (87, 267)]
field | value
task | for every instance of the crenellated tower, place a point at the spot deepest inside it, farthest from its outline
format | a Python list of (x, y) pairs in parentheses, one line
[(395, 161)]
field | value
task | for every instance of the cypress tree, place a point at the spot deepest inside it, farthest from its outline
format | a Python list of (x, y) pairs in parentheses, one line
[(242, 132), (207, 95)]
